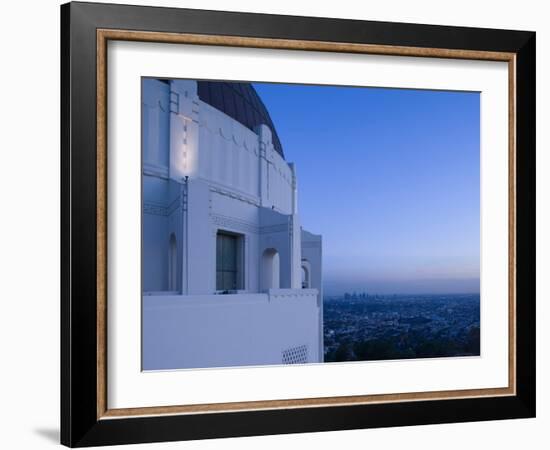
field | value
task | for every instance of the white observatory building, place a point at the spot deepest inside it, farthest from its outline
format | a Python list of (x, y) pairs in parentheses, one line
[(229, 277)]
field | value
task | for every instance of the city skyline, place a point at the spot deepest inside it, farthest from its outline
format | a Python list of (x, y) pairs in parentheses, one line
[(390, 178)]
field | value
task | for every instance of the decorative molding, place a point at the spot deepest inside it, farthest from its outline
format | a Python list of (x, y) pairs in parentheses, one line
[(175, 205), (311, 244), (292, 294), (279, 228), (262, 150), (158, 104), (174, 102), (154, 209), (230, 223), (185, 196), (234, 195), (161, 210), (155, 171), (228, 135)]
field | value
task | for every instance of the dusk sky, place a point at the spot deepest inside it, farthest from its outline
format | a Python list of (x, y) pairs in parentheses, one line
[(390, 178)]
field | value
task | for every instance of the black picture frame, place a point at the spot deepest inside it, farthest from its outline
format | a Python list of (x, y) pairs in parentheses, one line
[(80, 425)]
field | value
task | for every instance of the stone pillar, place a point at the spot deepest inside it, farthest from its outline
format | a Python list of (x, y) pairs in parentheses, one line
[(183, 164), (200, 239)]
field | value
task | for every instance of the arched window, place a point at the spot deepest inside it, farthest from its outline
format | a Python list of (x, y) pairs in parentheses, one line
[(305, 281), (172, 264), (270, 269)]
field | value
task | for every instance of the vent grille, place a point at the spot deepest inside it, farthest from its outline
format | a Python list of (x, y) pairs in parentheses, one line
[(295, 355)]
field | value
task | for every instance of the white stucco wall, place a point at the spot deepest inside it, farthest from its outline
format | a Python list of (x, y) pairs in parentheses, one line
[(228, 330), (229, 153)]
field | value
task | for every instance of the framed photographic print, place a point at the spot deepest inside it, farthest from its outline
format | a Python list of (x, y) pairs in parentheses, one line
[(276, 224)]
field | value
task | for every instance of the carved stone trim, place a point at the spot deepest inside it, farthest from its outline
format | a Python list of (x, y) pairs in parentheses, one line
[(283, 227), (160, 210), (234, 195), (231, 223), (308, 244), (174, 102), (154, 209)]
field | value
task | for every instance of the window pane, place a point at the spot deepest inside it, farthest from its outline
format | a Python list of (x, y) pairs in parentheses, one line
[(229, 256), (228, 274), (219, 244), (229, 280)]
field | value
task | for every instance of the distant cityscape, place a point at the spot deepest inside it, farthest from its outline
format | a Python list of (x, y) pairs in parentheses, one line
[(362, 326)]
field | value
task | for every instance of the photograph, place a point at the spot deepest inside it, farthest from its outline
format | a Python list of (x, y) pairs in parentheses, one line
[(277, 224), (301, 224)]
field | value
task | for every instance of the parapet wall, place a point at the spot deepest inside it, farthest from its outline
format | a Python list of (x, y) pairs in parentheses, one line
[(200, 331)]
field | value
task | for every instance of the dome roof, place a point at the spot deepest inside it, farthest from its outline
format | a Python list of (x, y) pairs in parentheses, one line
[(241, 102)]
